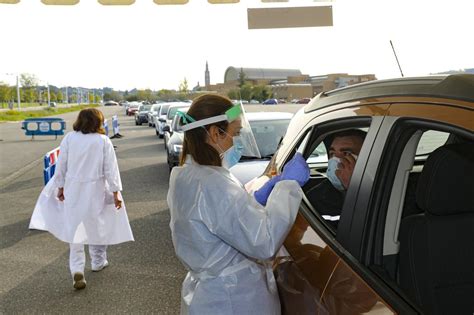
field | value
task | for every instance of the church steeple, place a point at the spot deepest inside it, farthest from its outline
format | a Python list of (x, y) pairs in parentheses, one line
[(207, 76)]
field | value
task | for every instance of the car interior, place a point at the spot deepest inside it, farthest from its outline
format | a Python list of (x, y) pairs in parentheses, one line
[(318, 163), (428, 236)]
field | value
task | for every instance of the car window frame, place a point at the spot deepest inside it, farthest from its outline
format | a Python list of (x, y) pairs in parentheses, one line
[(317, 223)]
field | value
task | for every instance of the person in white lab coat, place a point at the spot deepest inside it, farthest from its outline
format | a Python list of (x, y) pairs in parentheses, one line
[(220, 233), (82, 204)]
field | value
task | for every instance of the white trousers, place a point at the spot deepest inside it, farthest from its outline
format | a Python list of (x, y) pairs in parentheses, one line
[(77, 257)]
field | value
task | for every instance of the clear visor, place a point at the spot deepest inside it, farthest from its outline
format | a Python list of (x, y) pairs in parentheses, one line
[(248, 142)]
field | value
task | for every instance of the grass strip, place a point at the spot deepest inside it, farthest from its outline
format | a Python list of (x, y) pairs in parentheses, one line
[(14, 115)]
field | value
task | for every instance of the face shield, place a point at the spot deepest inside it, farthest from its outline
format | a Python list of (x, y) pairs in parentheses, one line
[(249, 144)]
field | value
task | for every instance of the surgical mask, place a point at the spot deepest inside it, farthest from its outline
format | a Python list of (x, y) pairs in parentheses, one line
[(232, 156), (331, 173)]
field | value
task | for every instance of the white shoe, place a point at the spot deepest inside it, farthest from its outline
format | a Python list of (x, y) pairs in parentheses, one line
[(79, 281), (105, 264)]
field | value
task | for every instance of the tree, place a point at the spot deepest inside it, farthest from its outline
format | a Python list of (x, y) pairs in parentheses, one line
[(246, 91), (233, 94), (183, 86), (241, 77), (60, 96), (261, 92), (29, 82), (5, 93)]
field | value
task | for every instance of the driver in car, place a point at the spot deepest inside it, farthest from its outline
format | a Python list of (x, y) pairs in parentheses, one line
[(328, 196)]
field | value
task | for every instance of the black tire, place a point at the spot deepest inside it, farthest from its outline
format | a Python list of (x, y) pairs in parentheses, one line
[(157, 133), (136, 123), (160, 136)]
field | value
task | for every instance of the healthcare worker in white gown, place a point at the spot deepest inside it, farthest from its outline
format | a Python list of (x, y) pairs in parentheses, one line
[(81, 204), (221, 234)]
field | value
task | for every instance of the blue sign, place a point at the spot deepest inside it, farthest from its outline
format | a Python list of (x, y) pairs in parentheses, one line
[(43, 127)]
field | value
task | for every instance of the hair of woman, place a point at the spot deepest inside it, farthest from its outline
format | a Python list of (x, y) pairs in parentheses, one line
[(195, 140), (89, 120)]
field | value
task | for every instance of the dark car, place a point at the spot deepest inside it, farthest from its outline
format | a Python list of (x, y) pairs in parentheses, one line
[(141, 115), (110, 103), (400, 235), (304, 100), (270, 101)]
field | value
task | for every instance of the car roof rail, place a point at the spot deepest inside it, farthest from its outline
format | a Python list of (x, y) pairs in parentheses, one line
[(456, 86)]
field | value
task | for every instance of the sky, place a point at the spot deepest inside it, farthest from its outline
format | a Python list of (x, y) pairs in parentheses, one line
[(145, 45)]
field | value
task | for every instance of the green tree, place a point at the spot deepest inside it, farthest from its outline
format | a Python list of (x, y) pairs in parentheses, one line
[(261, 92), (5, 93), (29, 82), (91, 98), (60, 96), (233, 94), (53, 96), (246, 91), (73, 98), (241, 77), (183, 86)]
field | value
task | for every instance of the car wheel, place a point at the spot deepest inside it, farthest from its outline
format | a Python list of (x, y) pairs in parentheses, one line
[(139, 123), (160, 136), (157, 133)]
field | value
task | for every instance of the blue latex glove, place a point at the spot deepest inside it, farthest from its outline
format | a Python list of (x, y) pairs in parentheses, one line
[(262, 194), (296, 169)]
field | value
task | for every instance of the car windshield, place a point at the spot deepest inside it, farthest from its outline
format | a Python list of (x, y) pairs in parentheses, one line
[(172, 111), (155, 107), (177, 127), (164, 109), (145, 108), (268, 134)]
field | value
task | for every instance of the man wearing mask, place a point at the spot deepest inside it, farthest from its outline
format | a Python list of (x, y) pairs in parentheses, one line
[(328, 196)]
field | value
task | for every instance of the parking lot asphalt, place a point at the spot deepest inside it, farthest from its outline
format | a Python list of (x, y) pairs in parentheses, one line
[(143, 277)]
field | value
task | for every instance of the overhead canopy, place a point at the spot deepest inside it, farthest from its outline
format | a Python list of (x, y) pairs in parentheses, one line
[(258, 18)]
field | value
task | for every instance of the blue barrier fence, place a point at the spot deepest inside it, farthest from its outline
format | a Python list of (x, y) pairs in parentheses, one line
[(106, 127), (43, 127), (50, 160)]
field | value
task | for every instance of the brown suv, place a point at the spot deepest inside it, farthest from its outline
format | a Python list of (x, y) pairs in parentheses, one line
[(398, 237)]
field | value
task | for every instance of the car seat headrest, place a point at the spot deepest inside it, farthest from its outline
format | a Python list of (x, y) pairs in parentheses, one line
[(446, 184)]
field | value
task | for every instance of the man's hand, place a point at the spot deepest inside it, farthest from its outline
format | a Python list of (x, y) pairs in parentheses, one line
[(117, 201), (345, 169), (61, 194)]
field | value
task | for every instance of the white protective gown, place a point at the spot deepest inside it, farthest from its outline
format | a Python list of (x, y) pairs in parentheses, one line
[(222, 235), (87, 169)]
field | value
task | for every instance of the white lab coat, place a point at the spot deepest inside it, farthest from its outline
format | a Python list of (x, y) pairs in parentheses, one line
[(87, 169), (222, 236)]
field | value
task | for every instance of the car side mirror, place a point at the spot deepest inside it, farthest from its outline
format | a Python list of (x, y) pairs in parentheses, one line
[(161, 120), (166, 128)]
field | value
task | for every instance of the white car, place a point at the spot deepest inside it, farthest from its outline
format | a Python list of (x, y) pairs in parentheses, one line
[(170, 115), (152, 114), (160, 119), (268, 128)]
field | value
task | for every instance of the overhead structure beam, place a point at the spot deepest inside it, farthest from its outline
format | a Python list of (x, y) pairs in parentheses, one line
[(60, 2), (314, 16), (165, 2), (116, 2), (9, 1), (222, 1)]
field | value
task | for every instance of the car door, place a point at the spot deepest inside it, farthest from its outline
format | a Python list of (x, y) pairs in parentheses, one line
[(315, 272)]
